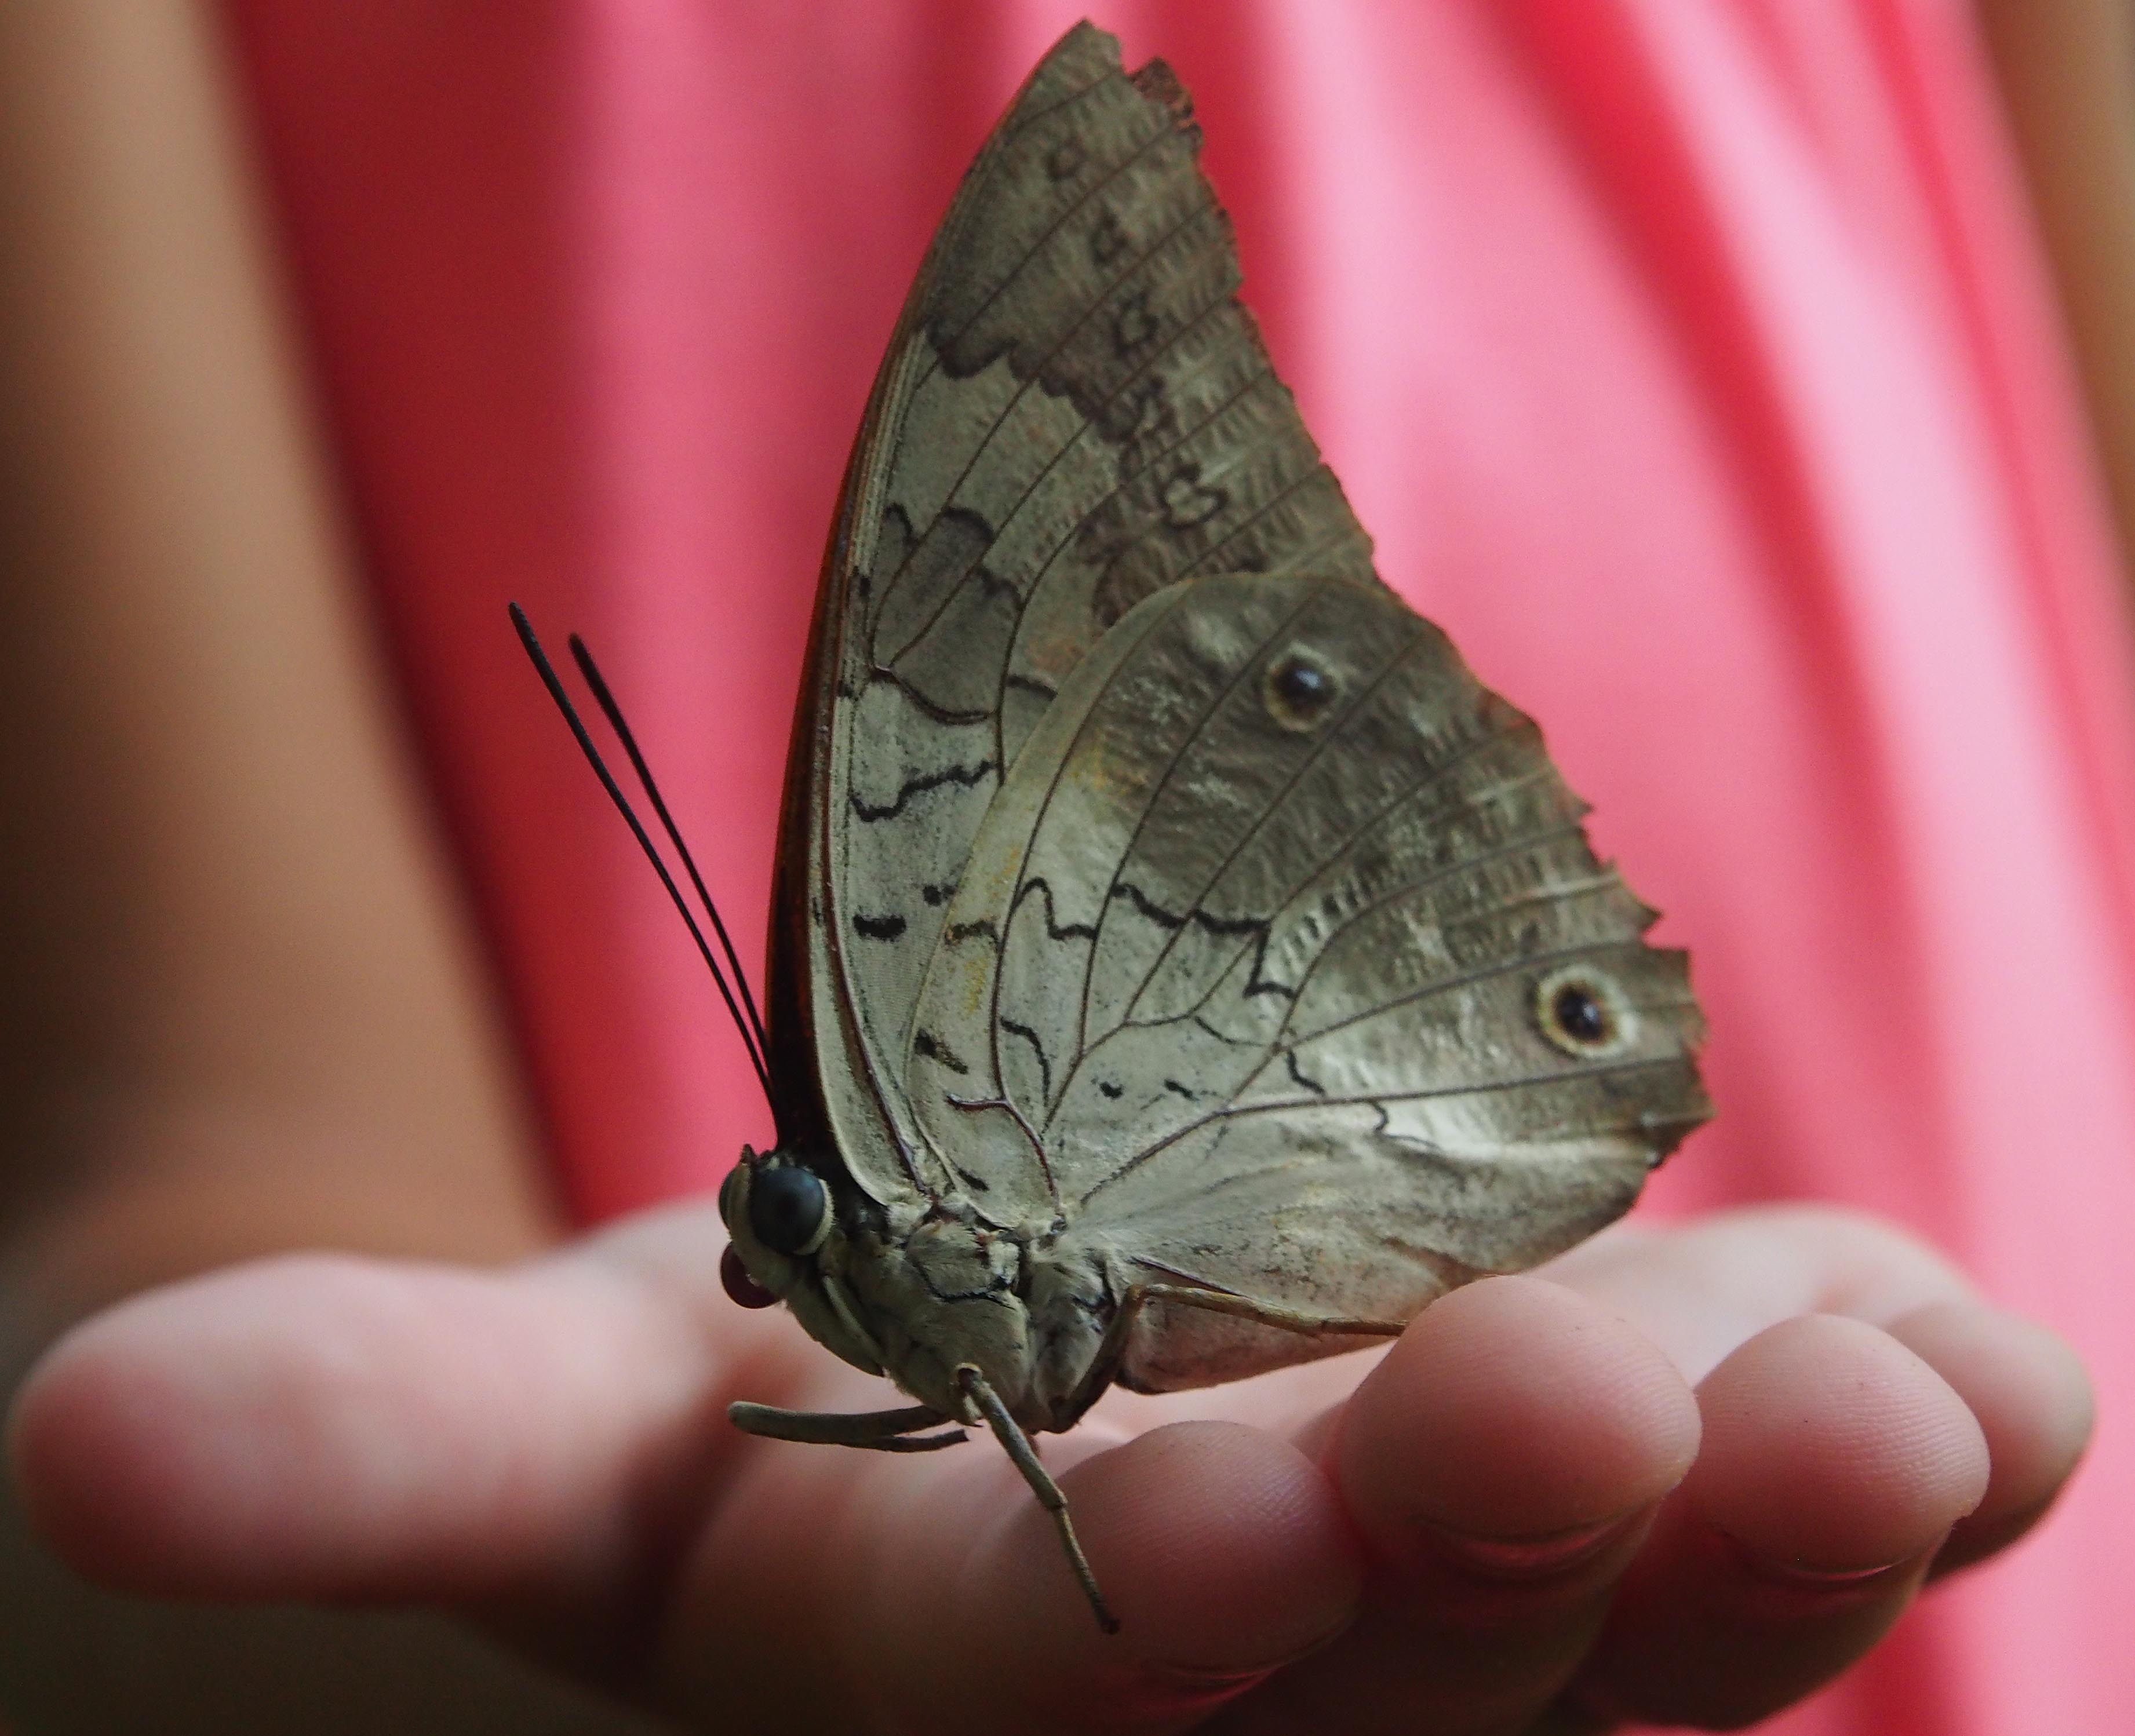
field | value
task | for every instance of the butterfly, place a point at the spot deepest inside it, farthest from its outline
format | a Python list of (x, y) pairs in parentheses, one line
[(1181, 966)]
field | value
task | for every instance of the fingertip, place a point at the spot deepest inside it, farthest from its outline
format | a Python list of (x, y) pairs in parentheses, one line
[(1830, 1448), (158, 1444), (1222, 1549), (2028, 1389), (97, 1482), (1242, 1557), (1513, 1408), (43, 1421), (328, 1425)]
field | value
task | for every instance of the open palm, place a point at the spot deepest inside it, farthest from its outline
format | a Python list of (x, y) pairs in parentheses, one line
[(1687, 1474)]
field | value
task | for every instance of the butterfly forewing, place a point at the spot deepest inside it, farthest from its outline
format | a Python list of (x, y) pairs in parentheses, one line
[(1074, 414)]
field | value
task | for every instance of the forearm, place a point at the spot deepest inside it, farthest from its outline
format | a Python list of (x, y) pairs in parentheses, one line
[(2067, 74), (240, 1008)]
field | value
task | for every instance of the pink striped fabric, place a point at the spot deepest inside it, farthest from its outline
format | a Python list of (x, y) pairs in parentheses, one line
[(1693, 364)]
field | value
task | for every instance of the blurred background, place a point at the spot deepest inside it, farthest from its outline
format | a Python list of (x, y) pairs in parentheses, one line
[(1748, 387)]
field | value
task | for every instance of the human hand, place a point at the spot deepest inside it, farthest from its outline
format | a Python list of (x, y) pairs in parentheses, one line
[(1509, 1523)]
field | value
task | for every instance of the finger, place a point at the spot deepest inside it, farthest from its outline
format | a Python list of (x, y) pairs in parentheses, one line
[(916, 1587), (1703, 1287), (538, 1446), (1501, 1466), (1700, 1289), (1834, 1462), (346, 1429), (2032, 1399)]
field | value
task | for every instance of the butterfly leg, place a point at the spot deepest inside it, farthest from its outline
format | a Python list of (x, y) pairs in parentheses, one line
[(883, 1431), (1009, 1433)]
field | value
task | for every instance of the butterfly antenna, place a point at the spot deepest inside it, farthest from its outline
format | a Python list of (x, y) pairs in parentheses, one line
[(556, 686), (613, 712)]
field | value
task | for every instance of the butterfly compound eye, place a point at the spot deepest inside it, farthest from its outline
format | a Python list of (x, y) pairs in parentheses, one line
[(1299, 690), (1584, 1012), (789, 1209)]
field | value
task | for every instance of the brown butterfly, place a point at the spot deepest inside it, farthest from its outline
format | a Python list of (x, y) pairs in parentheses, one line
[(1181, 966)]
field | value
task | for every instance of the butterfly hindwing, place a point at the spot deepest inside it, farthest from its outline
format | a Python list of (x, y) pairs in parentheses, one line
[(1248, 979), (1075, 412)]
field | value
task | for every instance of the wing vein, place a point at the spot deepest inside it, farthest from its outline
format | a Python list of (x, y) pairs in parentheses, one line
[(1025, 383), (1432, 777), (1239, 677), (1450, 870), (1059, 771), (1039, 243), (1264, 372), (1019, 122), (1201, 562), (1231, 1112), (1444, 985), (1328, 739)]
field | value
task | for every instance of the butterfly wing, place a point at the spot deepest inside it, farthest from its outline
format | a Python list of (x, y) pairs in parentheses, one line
[(1075, 412), (1282, 965)]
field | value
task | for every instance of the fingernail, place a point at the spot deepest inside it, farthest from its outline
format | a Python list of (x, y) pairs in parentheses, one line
[(1808, 1576), (1193, 1679), (1225, 1683), (1535, 1557)]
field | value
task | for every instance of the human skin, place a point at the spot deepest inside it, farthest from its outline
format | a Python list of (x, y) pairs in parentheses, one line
[(1690, 1473), (2067, 73), (208, 1059)]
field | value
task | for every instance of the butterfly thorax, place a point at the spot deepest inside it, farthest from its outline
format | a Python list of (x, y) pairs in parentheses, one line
[(953, 1291), (915, 1295)]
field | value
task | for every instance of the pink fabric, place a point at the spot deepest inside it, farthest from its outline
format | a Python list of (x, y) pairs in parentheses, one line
[(1693, 364)]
